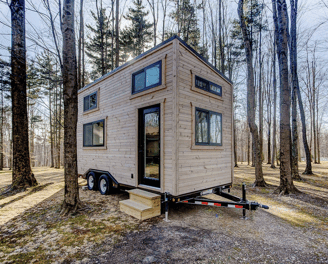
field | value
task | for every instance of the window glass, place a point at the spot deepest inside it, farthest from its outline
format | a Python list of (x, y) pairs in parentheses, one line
[(87, 135), (86, 103), (98, 133), (139, 81), (215, 88), (90, 101), (215, 128), (201, 127), (152, 75), (201, 83), (93, 101), (208, 86)]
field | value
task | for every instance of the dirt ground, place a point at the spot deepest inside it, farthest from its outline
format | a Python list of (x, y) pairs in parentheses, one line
[(293, 230)]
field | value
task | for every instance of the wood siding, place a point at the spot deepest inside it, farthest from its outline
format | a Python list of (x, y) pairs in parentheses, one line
[(201, 167), (119, 109), (185, 167)]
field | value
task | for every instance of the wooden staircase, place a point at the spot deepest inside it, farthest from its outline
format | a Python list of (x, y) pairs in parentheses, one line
[(141, 205)]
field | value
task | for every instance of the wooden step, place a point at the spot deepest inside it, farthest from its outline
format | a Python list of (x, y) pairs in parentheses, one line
[(139, 210), (144, 197)]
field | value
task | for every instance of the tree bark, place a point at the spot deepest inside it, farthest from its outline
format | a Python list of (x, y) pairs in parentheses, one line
[(235, 143), (71, 198), (308, 169), (293, 69), (79, 76), (286, 182), (117, 39), (22, 175), (274, 83), (259, 180)]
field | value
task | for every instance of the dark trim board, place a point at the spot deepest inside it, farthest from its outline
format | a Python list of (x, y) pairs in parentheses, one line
[(151, 50)]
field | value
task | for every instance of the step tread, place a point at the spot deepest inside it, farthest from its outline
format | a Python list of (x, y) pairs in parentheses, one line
[(135, 205), (145, 194)]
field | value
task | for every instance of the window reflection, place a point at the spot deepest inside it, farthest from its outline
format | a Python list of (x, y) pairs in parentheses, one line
[(152, 75), (139, 81), (215, 131), (201, 127)]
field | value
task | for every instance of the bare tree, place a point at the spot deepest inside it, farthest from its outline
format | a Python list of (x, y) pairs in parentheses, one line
[(280, 17), (22, 175), (154, 11), (259, 180), (117, 35), (71, 199), (308, 169), (274, 83), (164, 7)]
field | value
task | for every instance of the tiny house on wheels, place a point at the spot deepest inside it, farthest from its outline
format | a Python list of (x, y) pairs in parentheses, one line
[(161, 125)]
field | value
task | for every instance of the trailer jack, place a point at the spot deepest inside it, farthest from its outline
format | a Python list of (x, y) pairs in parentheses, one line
[(236, 202)]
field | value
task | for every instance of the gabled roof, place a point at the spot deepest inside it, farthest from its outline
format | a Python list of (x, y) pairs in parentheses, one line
[(151, 50)]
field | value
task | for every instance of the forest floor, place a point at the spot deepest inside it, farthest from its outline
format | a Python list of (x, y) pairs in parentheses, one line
[(293, 230)]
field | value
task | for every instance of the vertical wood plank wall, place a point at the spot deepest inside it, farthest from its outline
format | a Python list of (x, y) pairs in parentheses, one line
[(201, 167), (119, 108)]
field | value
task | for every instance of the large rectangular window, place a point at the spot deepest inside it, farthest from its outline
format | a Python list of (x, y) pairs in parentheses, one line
[(147, 78), (208, 130), (208, 86), (94, 134), (90, 102)]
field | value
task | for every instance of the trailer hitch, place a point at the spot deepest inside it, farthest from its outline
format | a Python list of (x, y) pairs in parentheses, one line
[(236, 202)]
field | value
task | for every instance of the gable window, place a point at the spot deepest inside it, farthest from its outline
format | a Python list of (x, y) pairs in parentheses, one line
[(208, 86), (208, 130), (93, 134), (90, 102), (147, 78)]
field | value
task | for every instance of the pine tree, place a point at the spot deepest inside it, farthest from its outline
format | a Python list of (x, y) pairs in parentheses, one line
[(139, 34), (99, 45), (186, 19)]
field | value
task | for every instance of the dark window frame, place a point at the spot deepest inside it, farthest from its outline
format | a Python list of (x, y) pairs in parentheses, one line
[(144, 70), (208, 112), (208, 83), (93, 107), (91, 123)]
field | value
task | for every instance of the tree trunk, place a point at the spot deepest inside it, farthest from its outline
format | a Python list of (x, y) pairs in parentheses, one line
[(259, 180), (22, 175), (293, 69), (117, 39), (1, 132), (71, 198), (286, 182), (248, 146), (235, 143), (79, 72), (59, 127), (274, 83), (260, 98), (308, 169), (314, 116), (51, 130)]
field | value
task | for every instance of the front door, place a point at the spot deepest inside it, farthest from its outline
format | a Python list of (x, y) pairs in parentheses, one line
[(149, 146)]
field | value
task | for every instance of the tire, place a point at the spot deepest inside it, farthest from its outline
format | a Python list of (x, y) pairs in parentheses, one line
[(104, 184), (92, 181)]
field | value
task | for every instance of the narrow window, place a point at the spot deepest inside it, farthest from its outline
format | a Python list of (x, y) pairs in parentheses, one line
[(208, 129), (90, 101), (147, 78), (93, 134), (208, 86)]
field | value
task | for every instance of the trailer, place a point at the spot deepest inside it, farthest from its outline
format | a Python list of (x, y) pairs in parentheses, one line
[(159, 126)]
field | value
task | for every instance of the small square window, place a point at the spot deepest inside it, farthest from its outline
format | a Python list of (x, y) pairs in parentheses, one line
[(94, 134), (90, 102), (208, 128)]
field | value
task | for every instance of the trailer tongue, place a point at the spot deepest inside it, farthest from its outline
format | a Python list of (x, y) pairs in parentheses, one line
[(235, 201)]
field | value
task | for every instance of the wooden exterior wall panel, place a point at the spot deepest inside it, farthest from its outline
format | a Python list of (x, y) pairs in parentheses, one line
[(119, 112), (201, 169)]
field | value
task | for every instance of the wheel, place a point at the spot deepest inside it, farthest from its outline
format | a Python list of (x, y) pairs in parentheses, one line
[(104, 184), (92, 181)]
